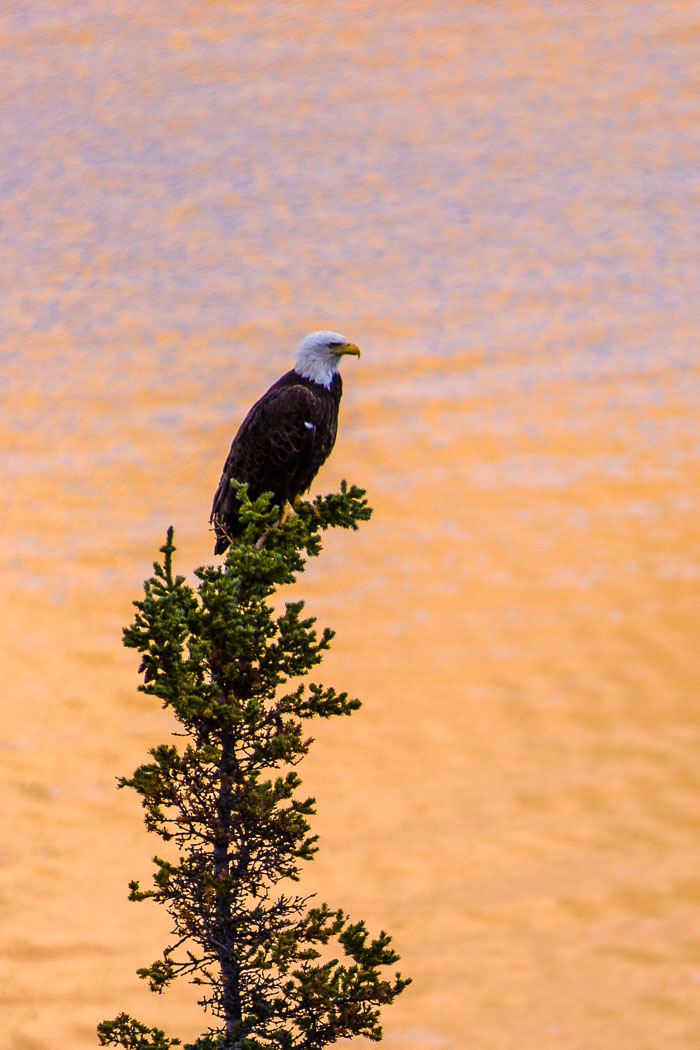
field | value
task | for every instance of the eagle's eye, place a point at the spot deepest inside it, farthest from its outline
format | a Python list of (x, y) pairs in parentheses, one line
[(334, 346)]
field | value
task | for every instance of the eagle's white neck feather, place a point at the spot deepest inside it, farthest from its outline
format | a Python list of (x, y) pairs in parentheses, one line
[(320, 372)]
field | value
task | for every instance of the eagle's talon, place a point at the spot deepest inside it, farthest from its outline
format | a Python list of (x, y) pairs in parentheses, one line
[(288, 512)]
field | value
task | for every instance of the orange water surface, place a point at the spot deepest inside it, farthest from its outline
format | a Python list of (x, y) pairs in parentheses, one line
[(498, 201)]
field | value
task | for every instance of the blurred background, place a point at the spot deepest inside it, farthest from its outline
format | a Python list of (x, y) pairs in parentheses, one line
[(498, 201)]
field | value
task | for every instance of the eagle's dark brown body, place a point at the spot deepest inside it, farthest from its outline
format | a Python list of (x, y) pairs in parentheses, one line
[(279, 447)]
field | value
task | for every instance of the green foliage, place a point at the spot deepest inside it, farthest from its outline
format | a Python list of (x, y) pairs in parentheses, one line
[(125, 1031), (220, 657)]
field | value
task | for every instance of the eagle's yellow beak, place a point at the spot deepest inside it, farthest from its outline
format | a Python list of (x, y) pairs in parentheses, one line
[(347, 348)]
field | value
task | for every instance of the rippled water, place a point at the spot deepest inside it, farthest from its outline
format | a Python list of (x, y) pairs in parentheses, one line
[(499, 203)]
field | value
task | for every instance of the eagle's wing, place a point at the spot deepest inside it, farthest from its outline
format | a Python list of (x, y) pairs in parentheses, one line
[(269, 450)]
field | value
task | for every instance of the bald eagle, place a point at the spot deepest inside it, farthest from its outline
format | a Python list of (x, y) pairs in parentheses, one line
[(287, 435)]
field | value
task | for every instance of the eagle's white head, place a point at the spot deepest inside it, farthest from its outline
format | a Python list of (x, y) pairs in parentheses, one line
[(319, 355)]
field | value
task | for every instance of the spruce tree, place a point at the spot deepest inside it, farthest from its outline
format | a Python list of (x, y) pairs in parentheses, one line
[(276, 969)]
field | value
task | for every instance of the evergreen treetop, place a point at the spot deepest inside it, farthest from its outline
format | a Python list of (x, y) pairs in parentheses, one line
[(226, 799)]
